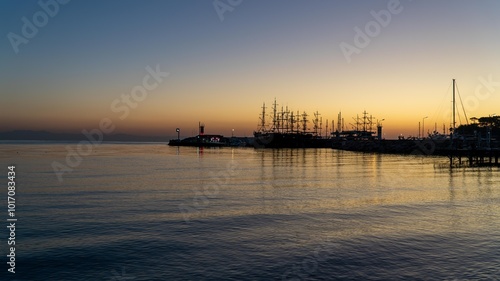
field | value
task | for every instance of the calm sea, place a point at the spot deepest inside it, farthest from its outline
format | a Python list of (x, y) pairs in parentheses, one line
[(153, 212)]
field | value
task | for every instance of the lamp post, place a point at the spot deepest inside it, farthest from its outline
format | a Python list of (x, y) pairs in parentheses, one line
[(178, 133), (379, 129), (232, 133), (423, 130)]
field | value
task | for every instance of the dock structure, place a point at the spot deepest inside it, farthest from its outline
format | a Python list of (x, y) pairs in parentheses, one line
[(473, 157), (467, 144)]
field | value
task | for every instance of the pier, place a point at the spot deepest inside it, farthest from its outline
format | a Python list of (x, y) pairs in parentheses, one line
[(473, 157)]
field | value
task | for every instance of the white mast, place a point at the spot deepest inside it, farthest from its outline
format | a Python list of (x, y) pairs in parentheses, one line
[(454, 122)]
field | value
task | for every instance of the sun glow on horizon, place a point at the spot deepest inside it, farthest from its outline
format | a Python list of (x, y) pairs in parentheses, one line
[(66, 78)]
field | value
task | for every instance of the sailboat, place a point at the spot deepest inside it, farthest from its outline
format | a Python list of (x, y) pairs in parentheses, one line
[(436, 136)]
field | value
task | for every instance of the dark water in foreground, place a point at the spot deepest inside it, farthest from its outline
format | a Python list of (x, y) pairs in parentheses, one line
[(153, 212)]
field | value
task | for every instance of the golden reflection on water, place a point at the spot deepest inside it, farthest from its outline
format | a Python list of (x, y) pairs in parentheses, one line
[(351, 193), (383, 193)]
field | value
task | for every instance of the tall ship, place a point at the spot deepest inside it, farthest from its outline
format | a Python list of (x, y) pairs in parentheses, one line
[(289, 129)]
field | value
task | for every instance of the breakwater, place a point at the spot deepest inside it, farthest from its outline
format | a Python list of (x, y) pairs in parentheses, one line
[(405, 146), (460, 153)]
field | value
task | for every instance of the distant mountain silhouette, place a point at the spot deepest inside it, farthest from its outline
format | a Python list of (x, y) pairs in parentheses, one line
[(48, 136)]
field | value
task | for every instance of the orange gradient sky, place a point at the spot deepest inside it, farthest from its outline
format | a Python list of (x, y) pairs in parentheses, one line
[(89, 54)]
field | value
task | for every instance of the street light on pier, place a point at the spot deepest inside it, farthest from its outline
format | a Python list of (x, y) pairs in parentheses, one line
[(423, 130), (178, 133), (379, 129)]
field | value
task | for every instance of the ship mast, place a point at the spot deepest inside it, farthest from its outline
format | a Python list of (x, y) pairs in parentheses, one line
[(263, 119), (326, 129), (340, 126), (287, 120), (274, 116), (454, 122), (297, 121), (316, 123), (304, 122)]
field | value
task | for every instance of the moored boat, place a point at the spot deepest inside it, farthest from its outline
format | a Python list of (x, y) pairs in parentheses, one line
[(289, 130)]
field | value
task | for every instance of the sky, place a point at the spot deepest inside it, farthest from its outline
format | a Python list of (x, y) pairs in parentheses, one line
[(68, 65)]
